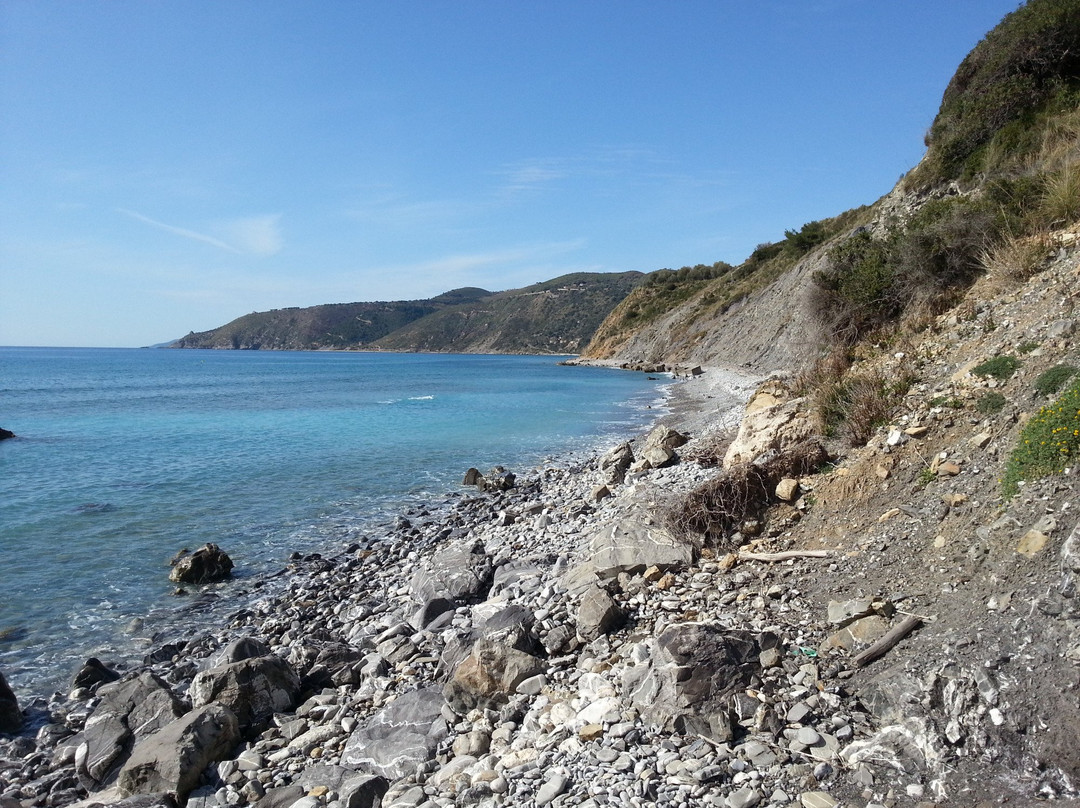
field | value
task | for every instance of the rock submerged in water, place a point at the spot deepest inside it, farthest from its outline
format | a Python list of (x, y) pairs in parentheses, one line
[(6, 433), (206, 565)]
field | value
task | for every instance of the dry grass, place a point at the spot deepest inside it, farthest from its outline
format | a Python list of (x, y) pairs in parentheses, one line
[(1015, 260), (1060, 203)]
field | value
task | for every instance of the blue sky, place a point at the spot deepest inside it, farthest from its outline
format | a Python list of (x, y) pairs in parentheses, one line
[(169, 166)]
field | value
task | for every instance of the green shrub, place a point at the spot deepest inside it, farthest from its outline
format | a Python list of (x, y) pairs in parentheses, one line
[(856, 404), (1054, 379), (1000, 367), (1024, 348), (1027, 65), (990, 403), (1047, 443)]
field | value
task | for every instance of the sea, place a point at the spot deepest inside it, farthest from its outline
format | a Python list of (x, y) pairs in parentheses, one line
[(123, 457)]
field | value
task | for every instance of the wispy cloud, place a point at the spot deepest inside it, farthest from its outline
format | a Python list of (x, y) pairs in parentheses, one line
[(533, 173), (255, 235)]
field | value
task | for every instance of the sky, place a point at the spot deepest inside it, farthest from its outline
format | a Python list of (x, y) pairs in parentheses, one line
[(166, 167)]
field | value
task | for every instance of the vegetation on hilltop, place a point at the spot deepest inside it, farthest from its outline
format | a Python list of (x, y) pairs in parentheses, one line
[(557, 316), (1005, 96)]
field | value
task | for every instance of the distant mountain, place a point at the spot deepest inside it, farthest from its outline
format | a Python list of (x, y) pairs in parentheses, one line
[(332, 325), (557, 316)]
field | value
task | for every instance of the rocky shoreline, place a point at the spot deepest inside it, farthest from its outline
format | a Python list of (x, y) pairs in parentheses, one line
[(549, 644)]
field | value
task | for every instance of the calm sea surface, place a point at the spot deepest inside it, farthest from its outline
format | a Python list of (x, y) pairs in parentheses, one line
[(125, 456)]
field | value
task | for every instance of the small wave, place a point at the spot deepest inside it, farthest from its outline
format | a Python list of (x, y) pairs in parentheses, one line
[(421, 398)]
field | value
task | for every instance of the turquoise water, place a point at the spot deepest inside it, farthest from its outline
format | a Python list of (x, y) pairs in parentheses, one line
[(125, 456)]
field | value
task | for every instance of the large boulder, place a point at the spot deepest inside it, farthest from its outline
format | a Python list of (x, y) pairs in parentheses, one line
[(129, 710), (253, 689), (206, 565), (692, 671), (460, 573), (11, 717), (773, 421), (632, 545), (664, 437), (488, 675), (354, 789), (92, 673), (400, 737), (173, 759)]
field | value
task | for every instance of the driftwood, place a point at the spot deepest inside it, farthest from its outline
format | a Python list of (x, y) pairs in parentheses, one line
[(886, 643), (746, 555)]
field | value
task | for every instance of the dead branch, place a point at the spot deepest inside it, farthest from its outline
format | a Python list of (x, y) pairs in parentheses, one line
[(746, 555), (886, 643)]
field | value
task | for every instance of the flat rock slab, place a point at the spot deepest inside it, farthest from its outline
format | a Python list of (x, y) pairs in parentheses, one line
[(399, 737), (632, 545)]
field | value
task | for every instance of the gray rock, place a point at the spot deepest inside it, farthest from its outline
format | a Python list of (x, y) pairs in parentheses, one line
[(664, 437), (633, 545), (616, 462), (692, 672), (488, 675), (598, 614), (93, 673), (128, 710), (238, 651), (355, 790), (207, 564), (555, 785), (172, 759), (399, 737), (253, 689), (461, 572)]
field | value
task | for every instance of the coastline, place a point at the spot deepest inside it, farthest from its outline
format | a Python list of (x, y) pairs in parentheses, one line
[(363, 599)]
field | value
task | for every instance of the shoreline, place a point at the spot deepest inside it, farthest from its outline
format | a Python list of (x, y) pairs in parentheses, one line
[(361, 599)]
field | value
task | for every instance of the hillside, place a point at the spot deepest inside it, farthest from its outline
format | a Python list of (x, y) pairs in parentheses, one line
[(555, 317), (1001, 171), (333, 325)]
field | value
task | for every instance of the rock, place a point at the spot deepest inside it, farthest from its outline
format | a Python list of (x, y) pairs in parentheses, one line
[(598, 614), (1032, 543), (488, 675), (5, 434), (400, 737), (460, 573), (172, 760), (817, 799), (691, 673), (664, 437), (787, 489), (355, 790), (93, 673), (599, 492), (206, 565), (632, 545), (237, 651), (11, 717), (948, 468), (253, 689), (555, 785), (842, 613), (772, 422), (615, 463), (128, 711), (472, 477), (658, 457)]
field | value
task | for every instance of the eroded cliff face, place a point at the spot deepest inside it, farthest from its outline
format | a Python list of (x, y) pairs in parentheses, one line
[(768, 330)]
